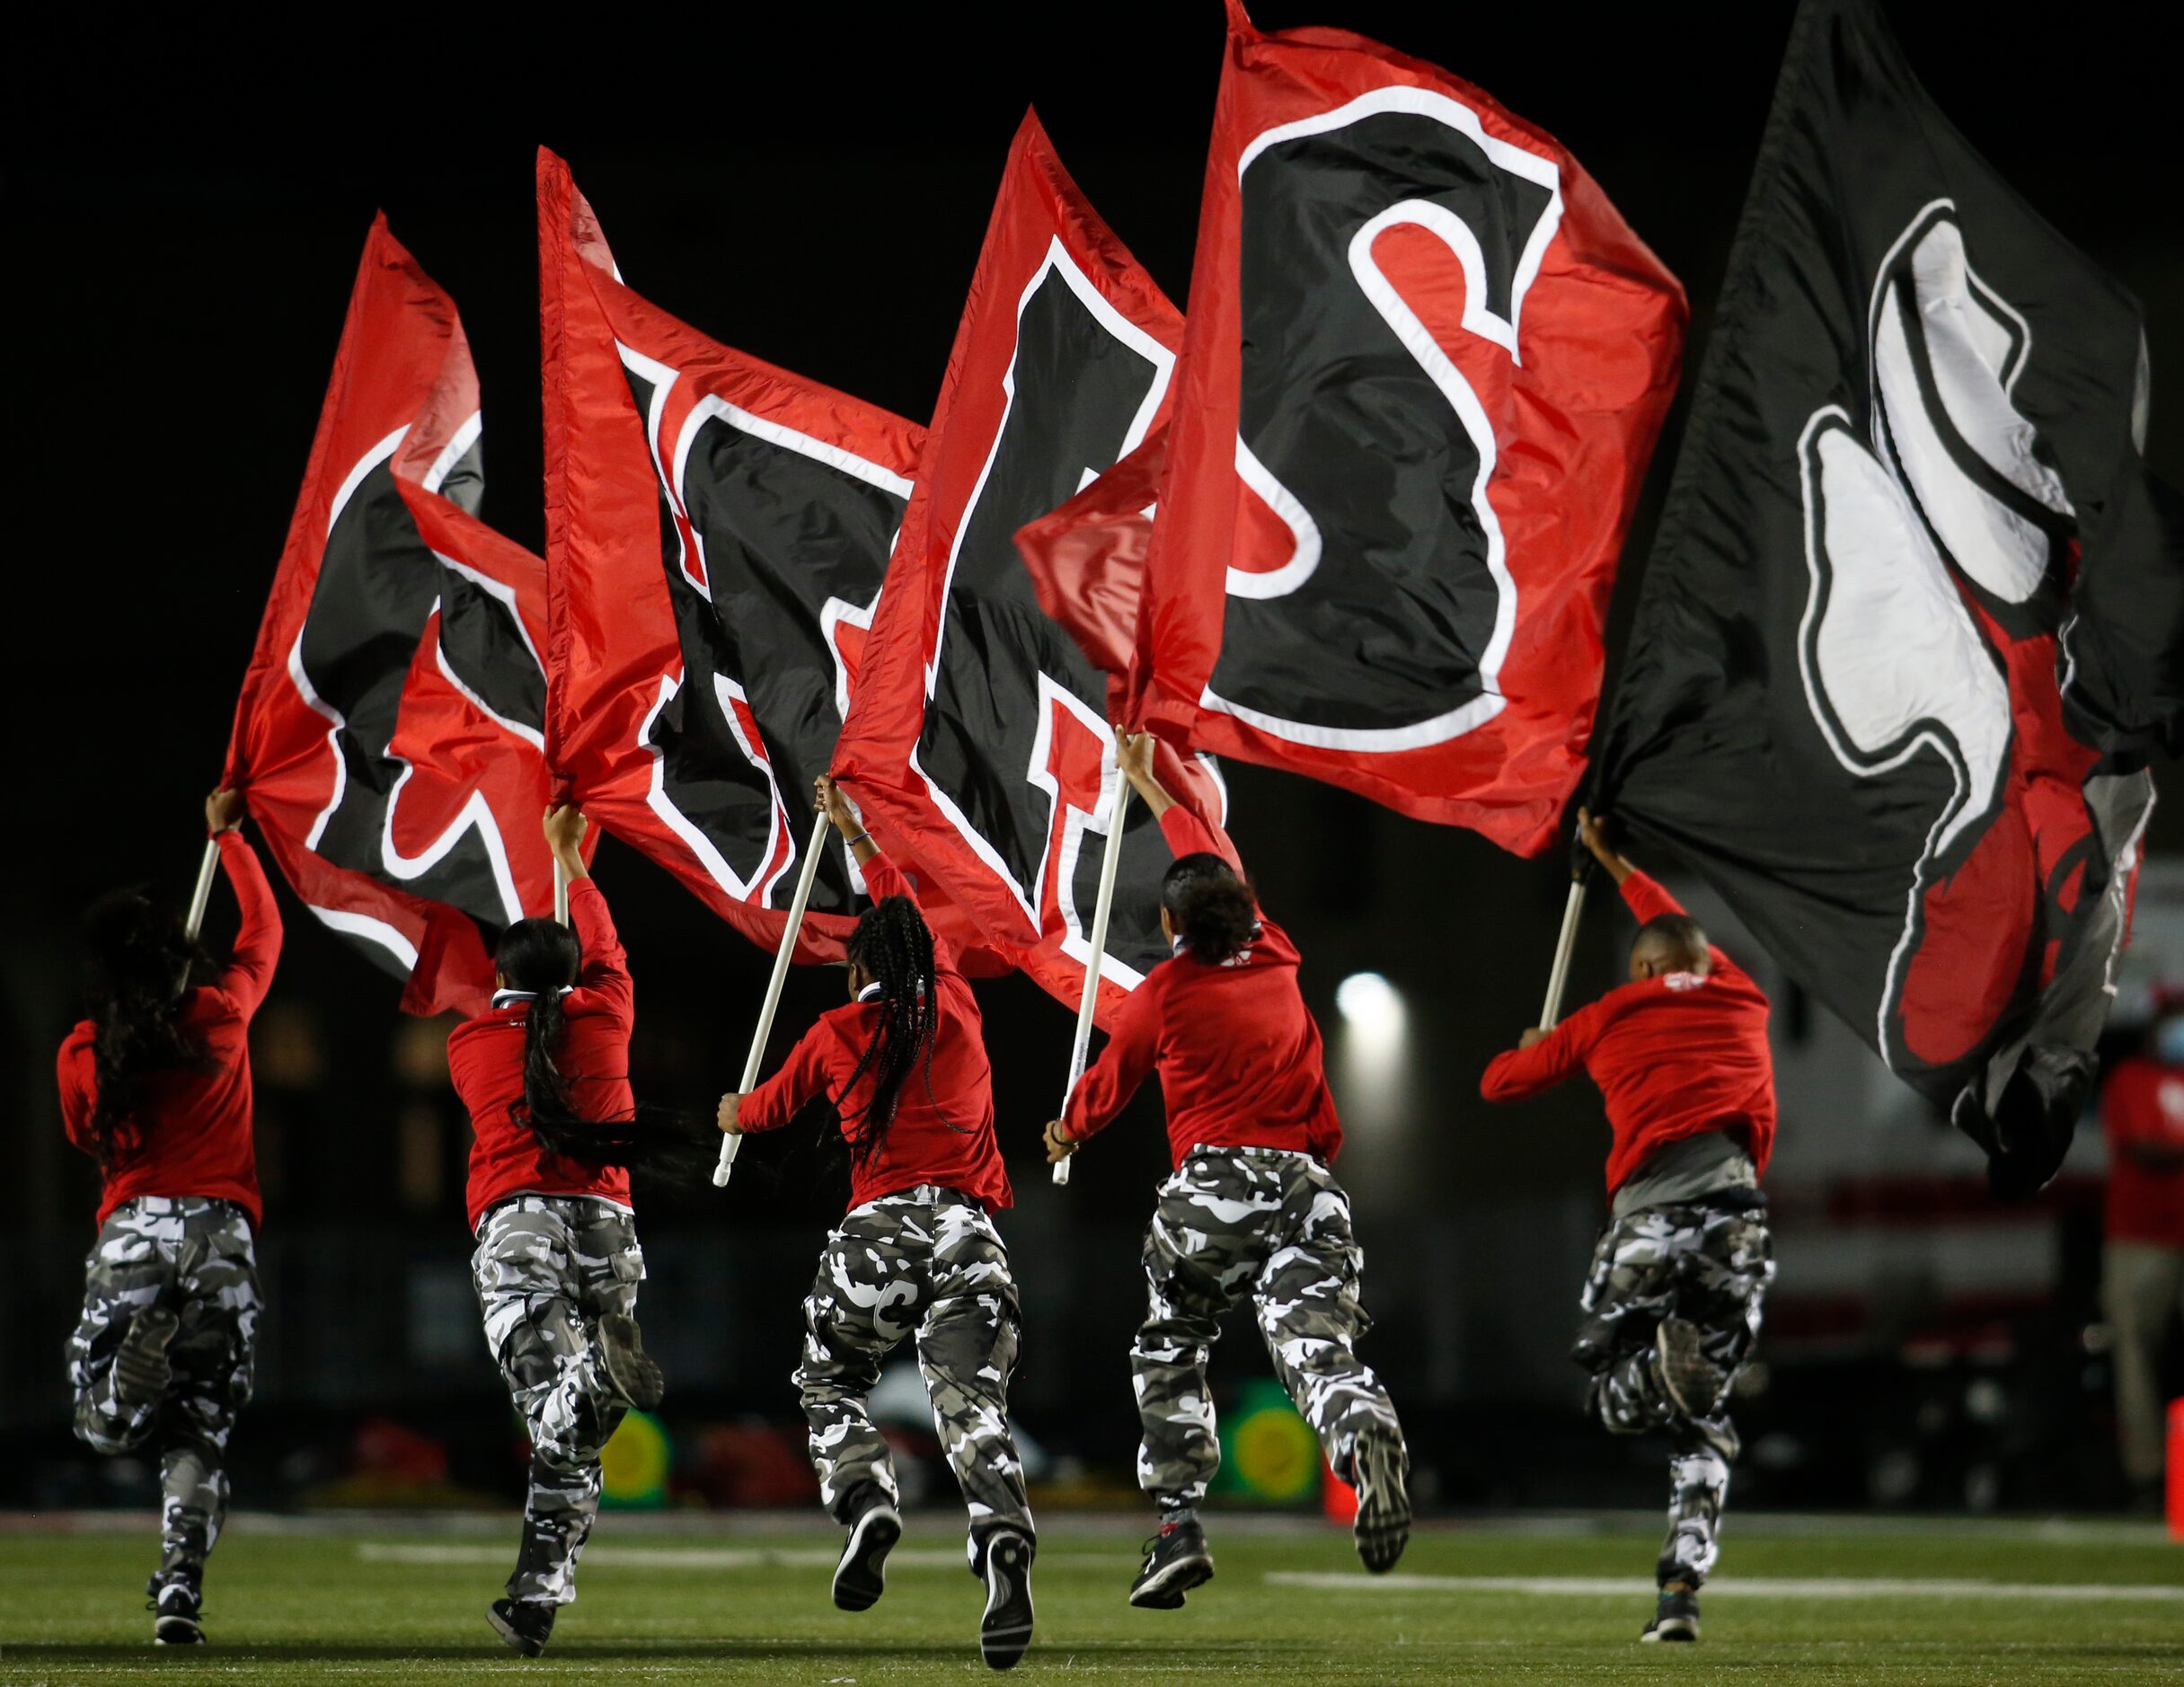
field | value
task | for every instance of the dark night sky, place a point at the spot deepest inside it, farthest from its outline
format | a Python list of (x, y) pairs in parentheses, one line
[(809, 183)]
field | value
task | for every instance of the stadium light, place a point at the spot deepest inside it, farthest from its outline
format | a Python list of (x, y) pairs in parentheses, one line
[(1374, 1010)]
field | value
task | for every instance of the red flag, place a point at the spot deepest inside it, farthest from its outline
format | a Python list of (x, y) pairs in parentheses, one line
[(977, 740), (718, 530), (1087, 558), (391, 719), (1426, 366)]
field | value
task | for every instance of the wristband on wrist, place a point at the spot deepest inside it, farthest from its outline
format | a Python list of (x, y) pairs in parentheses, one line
[(861, 837)]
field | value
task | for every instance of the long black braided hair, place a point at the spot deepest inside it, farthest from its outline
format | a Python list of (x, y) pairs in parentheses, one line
[(141, 962), (542, 957), (894, 945)]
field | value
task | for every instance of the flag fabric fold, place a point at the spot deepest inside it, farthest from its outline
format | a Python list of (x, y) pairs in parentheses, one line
[(1912, 441), (977, 740), (390, 722), (717, 531), (1426, 365), (1087, 557)]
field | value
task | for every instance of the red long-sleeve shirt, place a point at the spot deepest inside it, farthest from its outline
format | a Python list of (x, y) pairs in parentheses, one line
[(192, 1128), (1673, 1056), (1238, 1054), (944, 1135), (485, 1060), (2142, 1107)]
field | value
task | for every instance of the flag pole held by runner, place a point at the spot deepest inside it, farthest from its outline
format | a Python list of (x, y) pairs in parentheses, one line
[(1109, 859), (206, 866), (729, 1144), (561, 893), (1558, 975)]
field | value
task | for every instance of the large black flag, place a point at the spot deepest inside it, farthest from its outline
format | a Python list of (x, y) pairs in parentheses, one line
[(1910, 502)]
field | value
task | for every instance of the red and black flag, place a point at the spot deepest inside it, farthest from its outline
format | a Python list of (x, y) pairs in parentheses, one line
[(1426, 365), (978, 738), (392, 717), (1911, 451), (718, 530)]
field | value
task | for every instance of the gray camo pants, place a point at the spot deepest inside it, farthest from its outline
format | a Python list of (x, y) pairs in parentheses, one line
[(1711, 1265), (1274, 1225), (191, 1255), (547, 1269), (926, 1263)]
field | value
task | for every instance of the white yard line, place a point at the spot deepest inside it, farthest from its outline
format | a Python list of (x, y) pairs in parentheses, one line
[(1769, 1587), (710, 1557)]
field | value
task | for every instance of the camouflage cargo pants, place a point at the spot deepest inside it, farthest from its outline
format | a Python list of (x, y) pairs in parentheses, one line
[(1275, 1225), (925, 1263), (192, 1256), (547, 1269), (1710, 1265)]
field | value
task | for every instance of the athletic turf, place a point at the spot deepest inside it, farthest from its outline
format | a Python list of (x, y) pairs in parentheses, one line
[(748, 1603)]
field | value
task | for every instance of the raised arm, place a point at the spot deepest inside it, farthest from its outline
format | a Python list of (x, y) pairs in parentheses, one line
[(882, 877), (1185, 833), (604, 973), (250, 974), (1642, 893)]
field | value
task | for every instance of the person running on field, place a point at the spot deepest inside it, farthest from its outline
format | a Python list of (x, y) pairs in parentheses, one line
[(1673, 1301), (155, 1086), (1251, 1208), (544, 1074), (903, 1066)]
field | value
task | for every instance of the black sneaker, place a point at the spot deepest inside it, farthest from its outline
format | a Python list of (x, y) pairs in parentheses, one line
[(861, 1576), (621, 1352), (1005, 1629), (1176, 1561), (1378, 1467), (177, 1607), (1692, 1380), (526, 1624), (1676, 1617), (142, 1371)]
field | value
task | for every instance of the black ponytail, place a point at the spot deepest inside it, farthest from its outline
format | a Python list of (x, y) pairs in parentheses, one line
[(541, 957), (892, 943), (141, 963), (1213, 910)]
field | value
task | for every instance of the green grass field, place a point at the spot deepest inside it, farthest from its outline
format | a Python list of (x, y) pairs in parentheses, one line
[(730, 1602)]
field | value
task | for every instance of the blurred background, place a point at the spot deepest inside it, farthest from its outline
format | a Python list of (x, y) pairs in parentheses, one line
[(186, 208)]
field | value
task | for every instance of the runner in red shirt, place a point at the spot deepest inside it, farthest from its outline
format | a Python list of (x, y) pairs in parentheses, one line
[(903, 1068), (2142, 1288), (1251, 1208), (1674, 1298), (155, 1086), (557, 1263)]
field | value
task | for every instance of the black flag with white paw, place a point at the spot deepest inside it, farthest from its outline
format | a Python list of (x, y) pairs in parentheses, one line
[(1885, 689)]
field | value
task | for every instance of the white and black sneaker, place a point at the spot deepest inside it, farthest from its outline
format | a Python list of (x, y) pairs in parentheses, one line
[(525, 1625), (1005, 1629), (861, 1576), (1688, 1376), (177, 1609), (1379, 1469), (1677, 1615), (635, 1377), (1176, 1561)]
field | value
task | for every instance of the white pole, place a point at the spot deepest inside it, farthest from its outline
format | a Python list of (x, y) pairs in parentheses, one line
[(206, 866), (1558, 975), (730, 1144), (1109, 860), (561, 892)]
